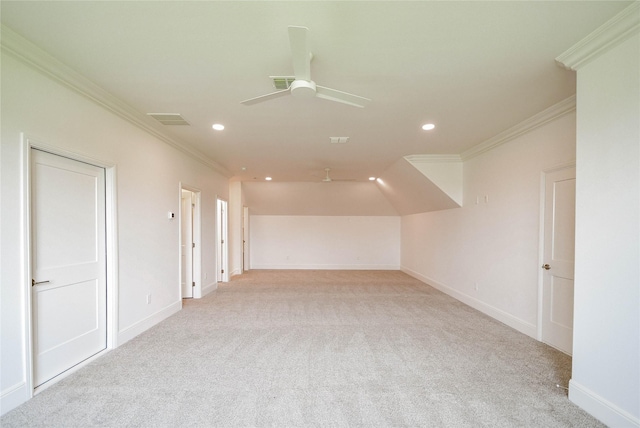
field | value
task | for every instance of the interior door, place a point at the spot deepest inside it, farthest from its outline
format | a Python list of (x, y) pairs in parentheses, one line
[(223, 248), (558, 267), (67, 263), (187, 244)]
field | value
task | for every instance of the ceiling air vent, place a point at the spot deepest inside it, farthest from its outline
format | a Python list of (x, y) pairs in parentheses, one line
[(169, 118), (338, 140), (282, 82)]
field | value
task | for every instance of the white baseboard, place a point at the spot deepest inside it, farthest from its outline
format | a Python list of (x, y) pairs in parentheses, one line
[(327, 267), (498, 314), (145, 324), (13, 396), (209, 288), (601, 409), (19, 394)]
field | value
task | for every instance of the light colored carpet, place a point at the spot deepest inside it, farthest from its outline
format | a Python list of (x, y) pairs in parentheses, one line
[(317, 349)]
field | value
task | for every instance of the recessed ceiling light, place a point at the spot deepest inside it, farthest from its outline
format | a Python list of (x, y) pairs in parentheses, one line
[(268, 178), (218, 126), (428, 126), (371, 178)]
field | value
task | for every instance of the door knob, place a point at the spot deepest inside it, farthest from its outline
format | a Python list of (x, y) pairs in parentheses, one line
[(546, 266)]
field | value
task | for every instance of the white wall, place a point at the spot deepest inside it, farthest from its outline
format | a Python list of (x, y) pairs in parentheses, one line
[(338, 198), (149, 173), (606, 364), (493, 244), (324, 242)]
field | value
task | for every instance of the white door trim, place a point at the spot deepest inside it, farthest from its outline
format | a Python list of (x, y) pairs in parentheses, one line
[(111, 251), (541, 231), (222, 234), (245, 239), (197, 253)]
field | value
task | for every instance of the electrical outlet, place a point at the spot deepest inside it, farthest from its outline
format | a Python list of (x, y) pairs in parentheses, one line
[(148, 299)]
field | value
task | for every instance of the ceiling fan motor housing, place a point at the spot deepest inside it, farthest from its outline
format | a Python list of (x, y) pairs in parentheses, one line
[(303, 88)]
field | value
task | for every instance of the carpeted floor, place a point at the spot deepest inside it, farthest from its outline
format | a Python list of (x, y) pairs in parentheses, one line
[(317, 349)]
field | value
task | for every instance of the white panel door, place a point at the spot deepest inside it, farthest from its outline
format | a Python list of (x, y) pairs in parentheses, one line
[(559, 246), (223, 248), (68, 263)]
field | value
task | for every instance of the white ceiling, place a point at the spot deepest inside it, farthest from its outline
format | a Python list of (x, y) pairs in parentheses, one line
[(473, 68)]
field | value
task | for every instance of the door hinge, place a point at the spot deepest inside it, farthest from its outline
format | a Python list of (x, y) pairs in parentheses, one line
[(193, 284), (222, 271), (193, 245)]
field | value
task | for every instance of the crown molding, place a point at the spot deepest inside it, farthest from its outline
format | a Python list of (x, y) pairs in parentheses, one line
[(617, 29), (433, 158), (545, 116), (33, 56)]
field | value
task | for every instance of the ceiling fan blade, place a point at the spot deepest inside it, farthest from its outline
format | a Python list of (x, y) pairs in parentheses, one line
[(341, 97), (267, 97), (300, 54)]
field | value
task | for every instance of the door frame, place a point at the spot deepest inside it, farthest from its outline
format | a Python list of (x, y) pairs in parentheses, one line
[(245, 239), (196, 232), (543, 177), (111, 253), (222, 240)]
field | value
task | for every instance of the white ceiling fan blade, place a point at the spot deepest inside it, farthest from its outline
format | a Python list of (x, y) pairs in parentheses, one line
[(341, 97), (328, 179), (267, 97), (300, 54)]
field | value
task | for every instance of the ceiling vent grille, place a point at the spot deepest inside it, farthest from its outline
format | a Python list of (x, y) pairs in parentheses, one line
[(169, 118), (282, 82), (338, 140)]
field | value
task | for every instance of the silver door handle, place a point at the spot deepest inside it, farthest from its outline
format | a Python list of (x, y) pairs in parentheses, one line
[(34, 282), (546, 266)]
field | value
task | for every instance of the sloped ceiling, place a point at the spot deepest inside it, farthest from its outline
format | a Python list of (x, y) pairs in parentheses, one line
[(410, 192)]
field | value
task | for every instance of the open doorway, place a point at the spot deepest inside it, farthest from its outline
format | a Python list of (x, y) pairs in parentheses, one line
[(189, 242), (223, 246)]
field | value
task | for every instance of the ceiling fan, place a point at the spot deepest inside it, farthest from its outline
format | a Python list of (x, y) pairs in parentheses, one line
[(302, 85), (328, 179)]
